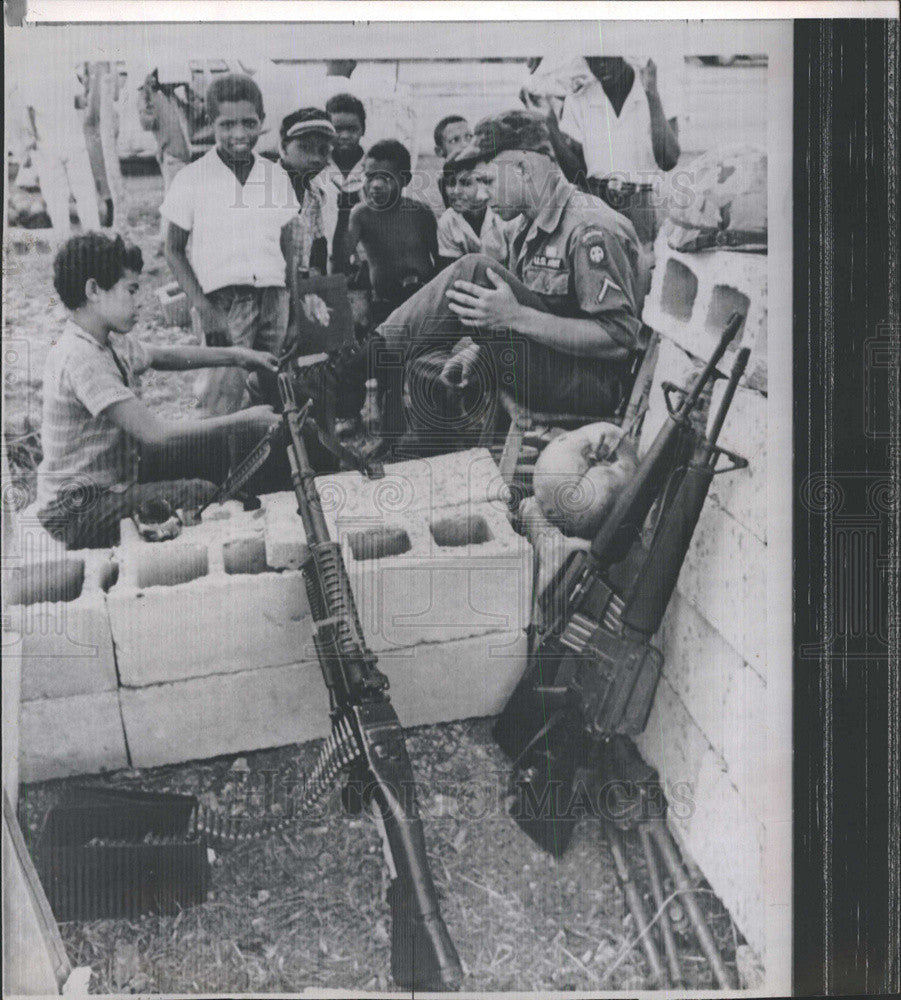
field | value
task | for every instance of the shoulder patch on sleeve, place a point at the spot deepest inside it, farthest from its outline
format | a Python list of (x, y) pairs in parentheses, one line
[(592, 234)]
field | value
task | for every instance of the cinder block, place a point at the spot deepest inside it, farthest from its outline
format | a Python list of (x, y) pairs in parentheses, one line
[(57, 609), (174, 305), (212, 624), (229, 713), (273, 706), (438, 682), (458, 572), (743, 493), (66, 736), (724, 577), (693, 294), (407, 488)]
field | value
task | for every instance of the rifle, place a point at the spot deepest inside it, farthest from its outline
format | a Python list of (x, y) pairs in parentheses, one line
[(367, 736), (592, 669)]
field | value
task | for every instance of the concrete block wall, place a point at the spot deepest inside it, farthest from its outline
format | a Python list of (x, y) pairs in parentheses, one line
[(202, 645), (693, 294), (708, 727)]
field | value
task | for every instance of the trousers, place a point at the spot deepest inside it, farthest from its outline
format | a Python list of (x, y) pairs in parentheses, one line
[(257, 318), (538, 377)]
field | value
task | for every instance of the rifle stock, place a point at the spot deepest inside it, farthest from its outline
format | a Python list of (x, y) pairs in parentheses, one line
[(423, 956)]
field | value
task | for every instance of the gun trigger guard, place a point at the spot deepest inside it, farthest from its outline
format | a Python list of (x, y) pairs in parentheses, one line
[(668, 389), (738, 462)]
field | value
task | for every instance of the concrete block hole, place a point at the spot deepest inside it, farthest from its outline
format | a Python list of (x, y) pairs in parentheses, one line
[(679, 291), (53, 582), (451, 532), (377, 543), (167, 567), (723, 302), (243, 556)]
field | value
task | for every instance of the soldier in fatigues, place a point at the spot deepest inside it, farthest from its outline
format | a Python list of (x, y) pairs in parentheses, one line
[(562, 324)]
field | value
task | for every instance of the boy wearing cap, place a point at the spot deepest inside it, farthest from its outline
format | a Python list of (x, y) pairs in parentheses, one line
[(235, 207), (563, 322), (307, 139)]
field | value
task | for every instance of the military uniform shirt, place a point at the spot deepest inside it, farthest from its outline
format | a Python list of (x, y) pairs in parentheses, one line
[(585, 261)]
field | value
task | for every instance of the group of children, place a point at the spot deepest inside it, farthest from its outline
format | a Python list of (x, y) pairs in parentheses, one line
[(235, 225)]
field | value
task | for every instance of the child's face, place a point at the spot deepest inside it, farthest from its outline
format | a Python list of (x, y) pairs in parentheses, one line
[(382, 183), (464, 193), (308, 154), (236, 128), (455, 136), (349, 129), (117, 306)]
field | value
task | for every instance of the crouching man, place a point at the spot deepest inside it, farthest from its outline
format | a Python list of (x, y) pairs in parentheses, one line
[(562, 322), (94, 424)]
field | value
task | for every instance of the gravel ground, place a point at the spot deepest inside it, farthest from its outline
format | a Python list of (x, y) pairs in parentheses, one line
[(307, 908)]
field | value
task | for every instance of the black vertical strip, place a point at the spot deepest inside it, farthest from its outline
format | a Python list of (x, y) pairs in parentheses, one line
[(846, 692)]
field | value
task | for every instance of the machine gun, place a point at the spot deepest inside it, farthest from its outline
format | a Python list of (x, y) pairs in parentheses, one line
[(592, 669), (367, 737)]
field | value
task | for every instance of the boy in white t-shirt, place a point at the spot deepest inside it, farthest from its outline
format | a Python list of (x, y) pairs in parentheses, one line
[(469, 225), (236, 208)]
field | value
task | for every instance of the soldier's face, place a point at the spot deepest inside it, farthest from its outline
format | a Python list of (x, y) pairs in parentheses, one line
[(503, 183)]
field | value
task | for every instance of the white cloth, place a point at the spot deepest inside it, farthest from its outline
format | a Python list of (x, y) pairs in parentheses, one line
[(456, 236), (331, 182), (617, 145), (236, 231)]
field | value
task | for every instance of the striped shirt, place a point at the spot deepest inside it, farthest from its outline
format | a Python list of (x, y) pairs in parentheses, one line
[(82, 447)]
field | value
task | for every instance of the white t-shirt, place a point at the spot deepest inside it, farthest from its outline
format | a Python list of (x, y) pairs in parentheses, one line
[(618, 145), (235, 230), (456, 236)]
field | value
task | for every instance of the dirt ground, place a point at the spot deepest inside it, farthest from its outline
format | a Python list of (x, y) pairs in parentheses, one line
[(306, 908)]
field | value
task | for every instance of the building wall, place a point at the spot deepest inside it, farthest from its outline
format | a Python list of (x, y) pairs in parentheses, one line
[(707, 730)]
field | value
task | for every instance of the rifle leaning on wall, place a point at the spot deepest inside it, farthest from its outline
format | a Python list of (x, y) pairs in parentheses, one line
[(367, 737), (592, 670)]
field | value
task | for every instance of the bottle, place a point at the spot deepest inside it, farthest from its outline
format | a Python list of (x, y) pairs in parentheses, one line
[(369, 414)]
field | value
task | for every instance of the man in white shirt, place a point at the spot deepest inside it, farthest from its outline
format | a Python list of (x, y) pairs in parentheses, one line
[(614, 136)]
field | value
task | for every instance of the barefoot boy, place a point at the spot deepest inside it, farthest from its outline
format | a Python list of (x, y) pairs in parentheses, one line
[(94, 422), (398, 236), (235, 207)]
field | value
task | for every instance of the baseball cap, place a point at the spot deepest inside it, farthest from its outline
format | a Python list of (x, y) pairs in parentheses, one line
[(516, 129), (304, 121)]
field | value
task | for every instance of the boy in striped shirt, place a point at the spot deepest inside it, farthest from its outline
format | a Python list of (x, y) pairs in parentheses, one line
[(94, 423)]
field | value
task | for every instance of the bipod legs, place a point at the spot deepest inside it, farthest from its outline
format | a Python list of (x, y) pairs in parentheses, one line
[(635, 904), (641, 805)]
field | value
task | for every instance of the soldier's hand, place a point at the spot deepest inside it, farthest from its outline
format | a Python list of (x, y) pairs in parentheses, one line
[(484, 308)]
